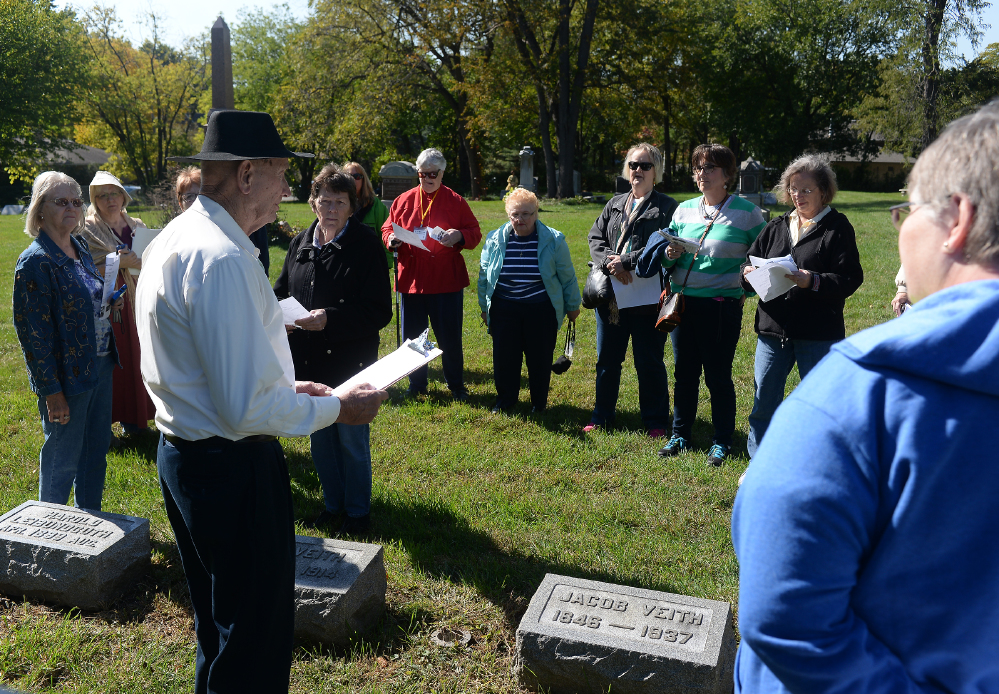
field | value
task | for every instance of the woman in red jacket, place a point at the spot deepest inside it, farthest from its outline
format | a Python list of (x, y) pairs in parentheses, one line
[(432, 281)]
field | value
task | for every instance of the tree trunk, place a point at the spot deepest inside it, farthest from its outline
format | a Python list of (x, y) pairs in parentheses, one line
[(545, 130), (571, 91), (472, 156), (667, 145), (931, 70)]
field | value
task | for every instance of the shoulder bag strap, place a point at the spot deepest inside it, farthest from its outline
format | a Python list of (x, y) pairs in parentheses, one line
[(701, 240)]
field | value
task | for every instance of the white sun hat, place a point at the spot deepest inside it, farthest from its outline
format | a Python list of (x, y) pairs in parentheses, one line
[(104, 178)]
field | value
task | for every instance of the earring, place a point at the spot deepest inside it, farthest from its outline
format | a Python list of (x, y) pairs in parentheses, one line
[(946, 245)]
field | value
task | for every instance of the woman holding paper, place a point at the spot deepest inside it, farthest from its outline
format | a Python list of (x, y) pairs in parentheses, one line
[(432, 279), (526, 286), (617, 239), (723, 227), (108, 231), (802, 324), (67, 341), (336, 269)]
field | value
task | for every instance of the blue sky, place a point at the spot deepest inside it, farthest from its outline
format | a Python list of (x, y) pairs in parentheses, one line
[(185, 18)]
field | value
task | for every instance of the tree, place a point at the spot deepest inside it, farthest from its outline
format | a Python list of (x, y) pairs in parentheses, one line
[(42, 71), (142, 105)]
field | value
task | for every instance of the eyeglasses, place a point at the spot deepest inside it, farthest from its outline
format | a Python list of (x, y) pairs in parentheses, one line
[(63, 202), (104, 197), (188, 198), (706, 169), (800, 191), (643, 165), (522, 215), (428, 174), (900, 212), (357, 177)]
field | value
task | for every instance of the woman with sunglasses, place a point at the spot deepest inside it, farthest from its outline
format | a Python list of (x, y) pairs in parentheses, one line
[(108, 230), (617, 239), (62, 324), (725, 226), (371, 211), (432, 281), (802, 325)]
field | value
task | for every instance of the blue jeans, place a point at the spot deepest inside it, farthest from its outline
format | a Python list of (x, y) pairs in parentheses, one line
[(74, 455), (647, 346), (706, 339), (230, 508), (774, 360), (444, 312), (342, 456)]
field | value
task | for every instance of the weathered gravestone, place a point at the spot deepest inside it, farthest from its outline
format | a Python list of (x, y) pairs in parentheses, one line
[(585, 636), (70, 556), (339, 589)]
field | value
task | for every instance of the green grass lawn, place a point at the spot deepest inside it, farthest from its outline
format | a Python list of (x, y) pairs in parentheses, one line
[(472, 508)]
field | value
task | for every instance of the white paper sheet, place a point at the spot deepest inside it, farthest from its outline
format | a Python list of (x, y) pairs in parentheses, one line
[(437, 233), (688, 245), (390, 369), (111, 261), (768, 278), (292, 310), (641, 292), (407, 236), (141, 238)]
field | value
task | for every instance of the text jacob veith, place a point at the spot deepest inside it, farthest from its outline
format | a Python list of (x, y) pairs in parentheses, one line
[(628, 616)]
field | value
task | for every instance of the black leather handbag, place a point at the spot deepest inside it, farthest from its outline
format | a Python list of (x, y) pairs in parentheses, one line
[(598, 290)]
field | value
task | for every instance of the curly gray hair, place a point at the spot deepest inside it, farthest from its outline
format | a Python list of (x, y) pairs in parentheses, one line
[(963, 160), (44, 182), (433, 157), (811, 165)]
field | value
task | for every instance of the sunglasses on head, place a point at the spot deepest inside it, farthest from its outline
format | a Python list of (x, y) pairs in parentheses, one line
[(429, 174), (643, 165)]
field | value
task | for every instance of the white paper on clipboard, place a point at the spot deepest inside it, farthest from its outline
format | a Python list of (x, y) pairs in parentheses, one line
[(642, 291), (390, 369), (141, 238), (407, 236)]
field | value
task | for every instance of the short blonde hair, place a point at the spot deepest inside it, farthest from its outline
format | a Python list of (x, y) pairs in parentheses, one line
[(46, 181), (520, 195), (186, 177), (367, 195), (654, 154)]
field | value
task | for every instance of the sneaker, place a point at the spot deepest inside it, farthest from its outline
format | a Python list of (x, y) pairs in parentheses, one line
[(356, 527), (590, 427), (675, 446), (717, 454), (657, 433)]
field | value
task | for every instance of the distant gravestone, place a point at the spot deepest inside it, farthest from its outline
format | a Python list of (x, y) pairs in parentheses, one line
[(585, 636), (70, 556), (397, 177), (339, 589)]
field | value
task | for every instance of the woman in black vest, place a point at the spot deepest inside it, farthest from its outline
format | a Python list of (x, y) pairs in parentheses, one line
[(337, 270)]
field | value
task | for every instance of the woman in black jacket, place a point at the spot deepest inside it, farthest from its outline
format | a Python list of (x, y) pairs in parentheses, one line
[(802, 324), (337, 270), (616, 241)]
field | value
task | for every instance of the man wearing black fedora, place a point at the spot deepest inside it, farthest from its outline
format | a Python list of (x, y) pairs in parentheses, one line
[(216, 362)]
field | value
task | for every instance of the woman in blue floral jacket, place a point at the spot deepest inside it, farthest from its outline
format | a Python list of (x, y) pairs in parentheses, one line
[(68, 345)]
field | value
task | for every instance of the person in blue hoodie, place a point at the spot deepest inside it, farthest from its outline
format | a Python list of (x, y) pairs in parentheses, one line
[(866, 525)]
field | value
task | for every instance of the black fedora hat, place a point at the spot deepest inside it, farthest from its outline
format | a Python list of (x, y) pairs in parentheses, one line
[(236, 135)]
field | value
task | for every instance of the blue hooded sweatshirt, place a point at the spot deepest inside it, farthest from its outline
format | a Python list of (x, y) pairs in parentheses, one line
[(867, 528)]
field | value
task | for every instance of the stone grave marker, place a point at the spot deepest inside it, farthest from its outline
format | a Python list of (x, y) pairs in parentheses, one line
[(70, 556), (585, 636), (339, 589)]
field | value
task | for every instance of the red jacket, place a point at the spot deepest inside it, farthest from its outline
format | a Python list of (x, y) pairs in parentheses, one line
[(442, 269)]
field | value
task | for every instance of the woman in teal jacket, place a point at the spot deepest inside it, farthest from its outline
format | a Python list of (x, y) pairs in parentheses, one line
[(526, 286)]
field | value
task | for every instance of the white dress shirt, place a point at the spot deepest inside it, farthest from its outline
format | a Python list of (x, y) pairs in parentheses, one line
[(798, 229), (215, 355)]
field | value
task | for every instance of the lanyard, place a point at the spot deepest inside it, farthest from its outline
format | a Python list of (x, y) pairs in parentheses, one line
[(423, 215)]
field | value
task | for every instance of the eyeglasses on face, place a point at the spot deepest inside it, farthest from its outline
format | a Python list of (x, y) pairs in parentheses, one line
[(104, 197), (707, 169), (63, 202), (899, 213), (357, 176), (522, 215), (429, 174), (800, 191), (188, 198), (643, 165)]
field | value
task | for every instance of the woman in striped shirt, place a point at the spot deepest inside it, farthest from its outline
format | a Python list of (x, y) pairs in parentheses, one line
[(526, 286)]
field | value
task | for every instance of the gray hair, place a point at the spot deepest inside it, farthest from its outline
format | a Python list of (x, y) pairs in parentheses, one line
[(963, 160), (654, 154), (431, 156), (46, 181), (811, 165)]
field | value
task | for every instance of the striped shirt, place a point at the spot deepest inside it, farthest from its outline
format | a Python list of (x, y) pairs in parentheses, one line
[(716, 271), (520, 278)]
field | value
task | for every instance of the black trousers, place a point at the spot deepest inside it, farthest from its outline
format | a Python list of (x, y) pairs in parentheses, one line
[(230, 508), (444, 312), (522, 332)]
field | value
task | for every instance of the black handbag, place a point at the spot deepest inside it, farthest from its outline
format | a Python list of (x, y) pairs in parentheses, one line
[(563, 363), (598, 290)]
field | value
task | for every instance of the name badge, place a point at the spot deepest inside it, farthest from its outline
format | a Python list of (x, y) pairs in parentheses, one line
[(421, 232)]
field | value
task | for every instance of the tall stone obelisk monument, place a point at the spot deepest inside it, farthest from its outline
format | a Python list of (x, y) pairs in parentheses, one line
[(221, 66)]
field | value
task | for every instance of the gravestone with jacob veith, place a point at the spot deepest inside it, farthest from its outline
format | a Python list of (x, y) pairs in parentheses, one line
[(339, 589), (586, 636), (70, 556)]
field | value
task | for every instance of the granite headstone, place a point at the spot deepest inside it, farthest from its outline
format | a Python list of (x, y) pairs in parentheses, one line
[(70, 556), (583, 636), (339, 589)]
